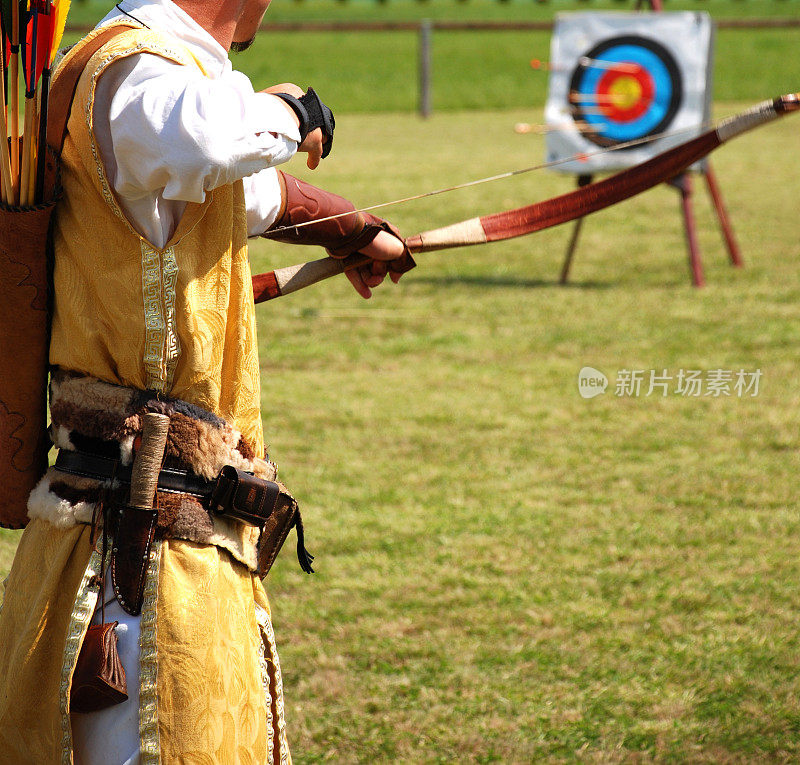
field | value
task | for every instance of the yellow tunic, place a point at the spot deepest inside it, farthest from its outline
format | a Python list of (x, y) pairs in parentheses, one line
[(178, 320)]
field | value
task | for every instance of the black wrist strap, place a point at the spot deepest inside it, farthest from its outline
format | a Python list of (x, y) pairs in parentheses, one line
[(319, 116), (300, 111), (312, 114)]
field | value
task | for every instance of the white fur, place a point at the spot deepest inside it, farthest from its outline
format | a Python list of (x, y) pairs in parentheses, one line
[(60, 436), (126, 450), (44, 504)]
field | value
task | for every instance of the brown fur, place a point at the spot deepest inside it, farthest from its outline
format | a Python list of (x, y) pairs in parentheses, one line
[(197, 441), (182, 516), (73, 495), (202, 444)]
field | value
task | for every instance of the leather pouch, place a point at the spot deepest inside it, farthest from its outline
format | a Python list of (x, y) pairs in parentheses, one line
[(274, 532), (264, 504), (243, 496), (99, 679)]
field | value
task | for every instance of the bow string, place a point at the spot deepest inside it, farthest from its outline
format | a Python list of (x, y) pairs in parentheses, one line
[(541, 215)]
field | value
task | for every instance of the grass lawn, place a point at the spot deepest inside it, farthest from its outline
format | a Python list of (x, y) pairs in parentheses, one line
[(83, 12), (508, 572)]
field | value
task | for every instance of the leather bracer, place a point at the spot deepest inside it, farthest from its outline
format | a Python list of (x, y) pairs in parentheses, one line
[(341, 236)]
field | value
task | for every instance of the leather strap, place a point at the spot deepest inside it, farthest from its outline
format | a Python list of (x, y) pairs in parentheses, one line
[(104, 469), (234, 493), (331, 228), (65, 84)]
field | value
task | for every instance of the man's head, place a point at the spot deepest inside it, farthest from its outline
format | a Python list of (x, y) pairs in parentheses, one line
[(247, 24), (233, 23)]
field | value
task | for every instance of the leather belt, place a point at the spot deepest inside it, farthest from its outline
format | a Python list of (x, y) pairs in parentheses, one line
[(235, 494), (104, 469)]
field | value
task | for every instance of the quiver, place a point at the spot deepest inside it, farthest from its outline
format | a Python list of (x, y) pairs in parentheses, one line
[(25, 310), (24, 318)]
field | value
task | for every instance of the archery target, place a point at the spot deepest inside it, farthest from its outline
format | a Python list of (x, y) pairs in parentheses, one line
[(625, 88), (621, 79)]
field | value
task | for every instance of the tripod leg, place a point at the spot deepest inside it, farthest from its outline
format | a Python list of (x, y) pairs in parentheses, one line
[(583, 180), (722, 215), (683, 183)]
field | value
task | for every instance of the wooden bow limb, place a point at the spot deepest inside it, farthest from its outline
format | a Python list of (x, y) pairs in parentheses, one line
[(282, 281), (551, 212)]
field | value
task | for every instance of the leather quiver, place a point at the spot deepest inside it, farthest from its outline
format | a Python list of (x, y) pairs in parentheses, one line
[(25, 322), (99, 678), (25, 276)]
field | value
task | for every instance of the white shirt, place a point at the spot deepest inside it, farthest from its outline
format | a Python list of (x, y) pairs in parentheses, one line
[(167, 133)]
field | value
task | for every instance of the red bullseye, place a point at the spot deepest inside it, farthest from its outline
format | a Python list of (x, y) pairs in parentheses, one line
[(624, 95)]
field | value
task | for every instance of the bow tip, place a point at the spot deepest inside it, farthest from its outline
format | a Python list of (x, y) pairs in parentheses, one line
[(788, 103)]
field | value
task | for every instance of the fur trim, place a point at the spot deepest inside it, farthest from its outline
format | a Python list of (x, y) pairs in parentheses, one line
[(180, 516), (198, 440), (60, 438), (45, 504), (239, 540)]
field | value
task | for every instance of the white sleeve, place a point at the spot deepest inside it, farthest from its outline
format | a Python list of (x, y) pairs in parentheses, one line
[(262, 194), (176, 133)]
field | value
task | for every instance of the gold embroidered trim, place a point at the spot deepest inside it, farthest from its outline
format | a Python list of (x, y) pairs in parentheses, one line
[(149, 744), (162, 347), (173, 346), (262, 618), (79, 619), (276, 684), (105, 188)]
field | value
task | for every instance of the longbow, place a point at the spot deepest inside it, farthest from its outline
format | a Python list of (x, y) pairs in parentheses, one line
[(550, 212)]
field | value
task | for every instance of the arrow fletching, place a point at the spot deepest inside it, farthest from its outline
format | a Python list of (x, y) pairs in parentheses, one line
[(44, 35), (28, 36), (60, 9), (5, 17)]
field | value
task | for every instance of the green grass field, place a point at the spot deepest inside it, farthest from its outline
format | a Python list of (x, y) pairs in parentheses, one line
[(508, 572), (86, 11)]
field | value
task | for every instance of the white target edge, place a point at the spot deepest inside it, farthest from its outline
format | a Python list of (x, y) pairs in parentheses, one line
[(687, 35)]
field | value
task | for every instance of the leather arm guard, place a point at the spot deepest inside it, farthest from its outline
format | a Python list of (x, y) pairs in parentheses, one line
[(339, 236)]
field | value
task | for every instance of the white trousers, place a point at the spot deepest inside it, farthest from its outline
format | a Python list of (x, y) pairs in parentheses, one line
[(111, 736)]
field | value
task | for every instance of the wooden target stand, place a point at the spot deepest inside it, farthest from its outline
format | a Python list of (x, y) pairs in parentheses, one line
[(683, 183)]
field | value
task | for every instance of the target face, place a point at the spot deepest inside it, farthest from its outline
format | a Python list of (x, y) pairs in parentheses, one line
[(618, 78), (625, 88)]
